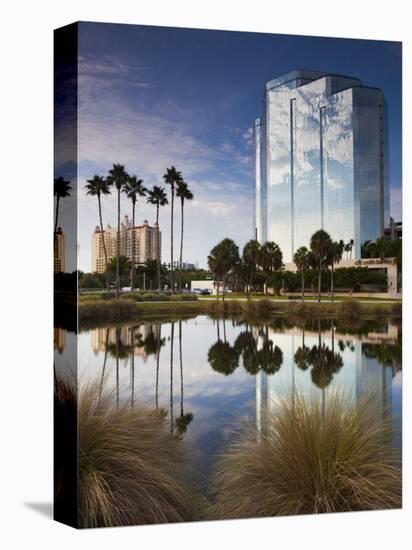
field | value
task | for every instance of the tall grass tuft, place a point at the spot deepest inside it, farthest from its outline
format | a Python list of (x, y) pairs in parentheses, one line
[(131, 470), (309, 459)]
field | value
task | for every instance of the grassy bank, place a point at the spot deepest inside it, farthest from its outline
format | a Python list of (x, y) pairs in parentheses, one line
[(94, 313)]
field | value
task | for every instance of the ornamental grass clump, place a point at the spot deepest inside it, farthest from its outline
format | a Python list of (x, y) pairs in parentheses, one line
[(309, 459), (131, 470)]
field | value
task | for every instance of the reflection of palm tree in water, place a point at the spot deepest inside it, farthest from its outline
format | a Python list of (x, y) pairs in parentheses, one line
[(301, 357), (104, 363), (172, 335), (325, 363), (132, 330), (161, 342), (119, 350), (268, 358), (185, 419)]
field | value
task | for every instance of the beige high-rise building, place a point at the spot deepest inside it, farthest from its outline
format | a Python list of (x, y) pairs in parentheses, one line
[(145, 243), (59, 251)]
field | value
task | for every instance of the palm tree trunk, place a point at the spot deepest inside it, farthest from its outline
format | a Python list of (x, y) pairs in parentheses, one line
[(331, 282), (181, 368), (172, 279), (55, 228), (57, 215), (133, 247), (218, 329), (303, 286), (103, 242), (171, 376), (217, 290), (118, 246), (224, 330), (319, 282), (158, 249), (181, 246)]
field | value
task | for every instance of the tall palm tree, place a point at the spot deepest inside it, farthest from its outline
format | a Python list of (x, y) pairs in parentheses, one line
[(173, 178), (221, 260), (334, 257), (250, 256), (270, 259), (118, 177), (96, 187), (134, 189), (320, 246), (61, 190), (157, 197), (185, 194), (382, 247), (301, 259)]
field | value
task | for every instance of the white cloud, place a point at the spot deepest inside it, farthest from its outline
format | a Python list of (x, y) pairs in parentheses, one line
[(146, 141)]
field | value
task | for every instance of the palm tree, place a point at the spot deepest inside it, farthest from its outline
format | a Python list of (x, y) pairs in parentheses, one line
[(134, 189), (320, 246), (96, 187), (118, 177), (119, 265), (301, 259), (173, 178), (335, 255), (184, 193), (62, 189), (270, 259), (158, 197), (381, 247), (250, 256), (221, 260)]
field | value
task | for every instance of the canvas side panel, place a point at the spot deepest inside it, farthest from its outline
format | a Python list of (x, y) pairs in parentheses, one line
[(65, 275)]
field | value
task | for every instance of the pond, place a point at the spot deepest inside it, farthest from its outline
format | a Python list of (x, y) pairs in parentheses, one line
[(207, 375)]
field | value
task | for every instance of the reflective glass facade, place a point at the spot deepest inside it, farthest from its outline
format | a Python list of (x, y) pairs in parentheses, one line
[(321, 155)]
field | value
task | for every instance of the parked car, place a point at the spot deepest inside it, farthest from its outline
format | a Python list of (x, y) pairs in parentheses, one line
[(205, 292)]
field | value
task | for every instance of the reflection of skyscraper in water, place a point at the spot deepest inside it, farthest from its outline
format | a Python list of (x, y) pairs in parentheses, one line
[(357, 373)]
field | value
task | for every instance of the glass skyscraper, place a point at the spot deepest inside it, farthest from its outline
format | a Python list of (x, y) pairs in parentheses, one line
[(320, 161)]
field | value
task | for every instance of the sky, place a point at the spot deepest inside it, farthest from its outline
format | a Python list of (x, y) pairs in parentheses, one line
[(152, 97)]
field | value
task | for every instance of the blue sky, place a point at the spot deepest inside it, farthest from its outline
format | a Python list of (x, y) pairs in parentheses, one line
[(150, 97)]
